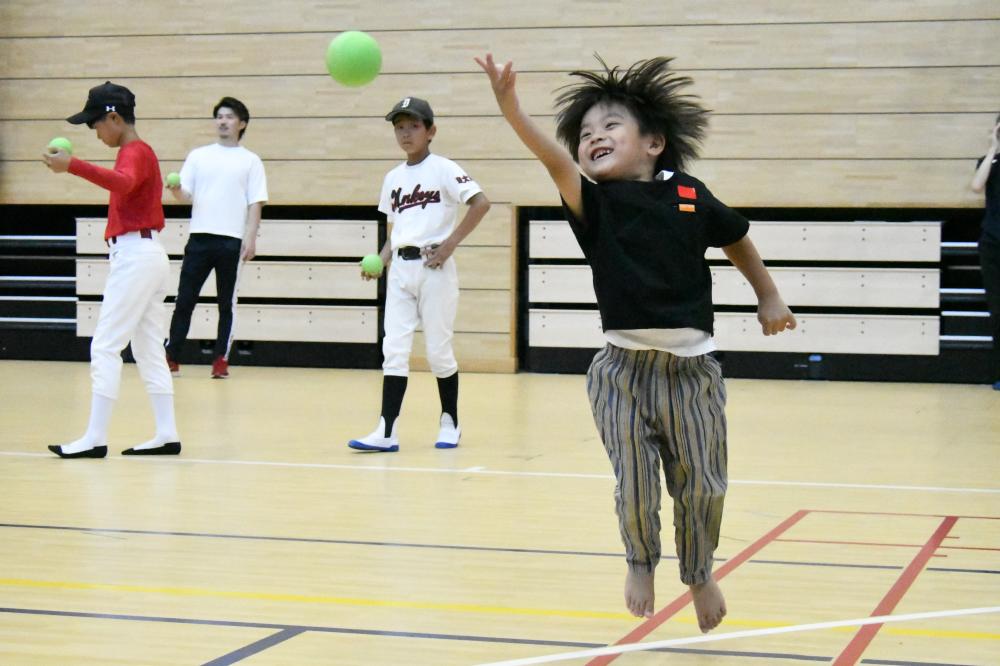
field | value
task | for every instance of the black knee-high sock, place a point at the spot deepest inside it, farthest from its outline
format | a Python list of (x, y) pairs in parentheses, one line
[(393, 389), (448, 390)]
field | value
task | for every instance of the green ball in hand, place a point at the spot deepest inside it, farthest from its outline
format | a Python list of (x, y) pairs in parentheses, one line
[(353, 58), (372, 265), (61, 143), (173, 179)]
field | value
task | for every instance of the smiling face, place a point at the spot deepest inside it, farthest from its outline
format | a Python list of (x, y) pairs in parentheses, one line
[(613, 148), (413, 137), (228, 126)]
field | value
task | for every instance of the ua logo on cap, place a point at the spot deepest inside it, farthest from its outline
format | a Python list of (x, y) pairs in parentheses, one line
[(109, 107)]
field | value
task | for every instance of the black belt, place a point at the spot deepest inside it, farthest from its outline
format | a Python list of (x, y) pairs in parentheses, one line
[(143, 233), (409, 252)]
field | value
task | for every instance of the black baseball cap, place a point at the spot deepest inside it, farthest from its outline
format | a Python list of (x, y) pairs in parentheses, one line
[(413, 106), (102, 99)]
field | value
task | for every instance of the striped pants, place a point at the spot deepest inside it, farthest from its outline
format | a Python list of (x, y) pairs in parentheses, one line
[(651, 405)]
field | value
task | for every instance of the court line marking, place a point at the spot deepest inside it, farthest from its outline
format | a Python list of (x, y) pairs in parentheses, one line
[(498, 472), (460, 547), (852, 652), (752, 633)]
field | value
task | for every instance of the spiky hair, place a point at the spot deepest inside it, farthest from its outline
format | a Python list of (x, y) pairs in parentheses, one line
[(652, 93)]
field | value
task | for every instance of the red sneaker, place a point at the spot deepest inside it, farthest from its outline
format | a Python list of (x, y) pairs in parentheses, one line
[(175, 368), (220, 368)]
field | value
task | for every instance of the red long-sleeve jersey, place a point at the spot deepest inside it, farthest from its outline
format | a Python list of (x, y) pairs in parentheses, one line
[(135, 186)]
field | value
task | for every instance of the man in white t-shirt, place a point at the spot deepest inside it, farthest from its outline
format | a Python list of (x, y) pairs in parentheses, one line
[(226, 185), (421, 199)]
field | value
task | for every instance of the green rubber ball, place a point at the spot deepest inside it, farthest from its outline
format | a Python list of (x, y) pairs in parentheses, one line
[(61, 143), (173, 179), (353, 58), (372, 264)]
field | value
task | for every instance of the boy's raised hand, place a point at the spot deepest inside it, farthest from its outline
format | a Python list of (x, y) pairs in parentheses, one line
[(502, 79)]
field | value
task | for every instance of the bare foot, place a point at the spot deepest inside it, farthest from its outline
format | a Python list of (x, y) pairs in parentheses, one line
[(639, 593), (709, 604)]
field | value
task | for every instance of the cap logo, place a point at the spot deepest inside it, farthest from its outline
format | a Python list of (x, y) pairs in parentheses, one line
[(406, 103), (109, 107)]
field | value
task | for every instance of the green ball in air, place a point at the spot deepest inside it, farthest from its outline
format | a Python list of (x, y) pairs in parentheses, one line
[(353, 58)]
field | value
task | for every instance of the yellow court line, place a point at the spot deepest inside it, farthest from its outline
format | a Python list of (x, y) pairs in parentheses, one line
[(314, 599), (437, 606)]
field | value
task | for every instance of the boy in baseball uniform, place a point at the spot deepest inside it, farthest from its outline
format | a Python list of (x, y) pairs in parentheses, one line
[(132, 309), (421, 199), (226, 185)]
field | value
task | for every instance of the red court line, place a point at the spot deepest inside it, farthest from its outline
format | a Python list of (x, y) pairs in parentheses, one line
[(852, 653), (680, 602), (878, 544), (896, 513)]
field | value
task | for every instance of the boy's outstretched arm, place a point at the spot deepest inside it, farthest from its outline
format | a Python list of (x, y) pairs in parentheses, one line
[(772, 313), (556, 159)]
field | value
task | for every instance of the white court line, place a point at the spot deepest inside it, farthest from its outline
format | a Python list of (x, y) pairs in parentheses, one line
[(499, 472), (637, 647)]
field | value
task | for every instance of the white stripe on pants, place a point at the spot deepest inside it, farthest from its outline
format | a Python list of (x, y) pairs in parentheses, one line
[(429, 296), (132, 311)]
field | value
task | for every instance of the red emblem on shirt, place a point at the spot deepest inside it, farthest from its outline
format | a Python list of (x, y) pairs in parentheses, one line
[(686, 192)]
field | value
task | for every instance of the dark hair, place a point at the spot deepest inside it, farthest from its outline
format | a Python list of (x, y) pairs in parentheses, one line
[(238, 107), (651, 92), (127, 114)]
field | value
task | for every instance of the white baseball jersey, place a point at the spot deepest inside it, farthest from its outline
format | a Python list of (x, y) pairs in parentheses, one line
[(422, 200), (222, 181)]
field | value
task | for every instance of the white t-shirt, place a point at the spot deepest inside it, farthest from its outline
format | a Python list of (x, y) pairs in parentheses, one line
[(222, 182), (421, 201)]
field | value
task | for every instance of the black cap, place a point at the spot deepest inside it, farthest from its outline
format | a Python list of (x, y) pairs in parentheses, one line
[(413, 106), (102, 99)]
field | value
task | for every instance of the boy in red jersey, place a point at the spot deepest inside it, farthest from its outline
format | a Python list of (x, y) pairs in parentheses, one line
[(132, 310)]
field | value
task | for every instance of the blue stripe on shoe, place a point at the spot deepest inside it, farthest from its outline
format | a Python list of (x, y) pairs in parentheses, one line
[(361, 446)]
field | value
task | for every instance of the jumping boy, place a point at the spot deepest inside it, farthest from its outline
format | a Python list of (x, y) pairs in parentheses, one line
[(226, 185), (132, 309), (644, 226), (420, 199)]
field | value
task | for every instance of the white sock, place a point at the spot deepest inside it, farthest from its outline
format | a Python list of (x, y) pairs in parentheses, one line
[(97, 427), (166, 425)]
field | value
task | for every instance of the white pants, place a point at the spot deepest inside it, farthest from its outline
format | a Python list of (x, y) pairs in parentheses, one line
[(415, 295), (133, 311)]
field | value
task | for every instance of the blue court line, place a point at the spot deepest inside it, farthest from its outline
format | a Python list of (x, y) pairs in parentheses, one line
[(252, 649), (432, 546), (286, 632)]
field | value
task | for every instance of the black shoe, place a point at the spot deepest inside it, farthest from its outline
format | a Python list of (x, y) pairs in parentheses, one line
[(96, 452), (168, 449)]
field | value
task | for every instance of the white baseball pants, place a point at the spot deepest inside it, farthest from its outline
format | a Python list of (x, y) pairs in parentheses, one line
[(133, 311), (416, 295)]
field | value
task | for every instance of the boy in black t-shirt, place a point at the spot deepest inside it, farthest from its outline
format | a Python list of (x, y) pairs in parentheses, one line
[(644, 227)]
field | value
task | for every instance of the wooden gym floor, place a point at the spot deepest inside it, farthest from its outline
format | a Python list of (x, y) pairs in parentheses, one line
[(269, 542)]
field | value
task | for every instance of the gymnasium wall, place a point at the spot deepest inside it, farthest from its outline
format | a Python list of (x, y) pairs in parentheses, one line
[(852, 104)]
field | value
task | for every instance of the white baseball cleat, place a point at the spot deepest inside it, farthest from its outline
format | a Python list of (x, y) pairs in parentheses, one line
[(377, 441), (449, 434)]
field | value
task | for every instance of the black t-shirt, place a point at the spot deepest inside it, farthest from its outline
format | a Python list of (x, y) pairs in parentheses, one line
[(646, 243), (991, 218)]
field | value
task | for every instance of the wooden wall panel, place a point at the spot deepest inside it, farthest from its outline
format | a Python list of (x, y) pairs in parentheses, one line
[(813, 45), (835, 183), (727, 91), (847, 104), (843, 136), (55, 19)]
